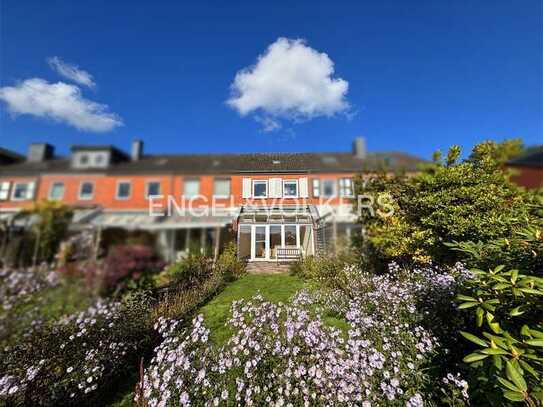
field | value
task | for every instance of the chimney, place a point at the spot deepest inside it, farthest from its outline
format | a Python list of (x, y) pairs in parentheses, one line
[(137, 150), (359, 147), (39, 152)]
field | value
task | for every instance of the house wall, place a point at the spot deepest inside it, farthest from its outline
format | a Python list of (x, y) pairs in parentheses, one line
[(105, 187), (529, 177)]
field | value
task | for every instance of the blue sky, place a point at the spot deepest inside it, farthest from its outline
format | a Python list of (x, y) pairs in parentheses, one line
[(421, 75)]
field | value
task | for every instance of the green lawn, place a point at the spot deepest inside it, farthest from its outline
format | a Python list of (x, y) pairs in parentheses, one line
[(273, 287)]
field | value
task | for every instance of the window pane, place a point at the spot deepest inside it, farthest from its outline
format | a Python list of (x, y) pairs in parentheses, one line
[(290, 188), (316, 187), (4, 191), (191, 188), (57, 191), (21, 191), (328, 187), (260, 241), (244, 247), (260, 188), (123, 190), (221, 187), (290, 235), (86, 190), (275, 240), (153, 188)]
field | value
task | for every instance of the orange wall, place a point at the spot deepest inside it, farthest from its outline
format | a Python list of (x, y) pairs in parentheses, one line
[(105, 187)]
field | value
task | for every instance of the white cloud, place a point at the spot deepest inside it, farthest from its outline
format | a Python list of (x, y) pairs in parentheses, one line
[(61, 102), (268, 123), (71, 72), (289, 81)]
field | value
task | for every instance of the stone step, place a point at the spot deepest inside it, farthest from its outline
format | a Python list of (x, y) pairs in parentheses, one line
[(257, 267)]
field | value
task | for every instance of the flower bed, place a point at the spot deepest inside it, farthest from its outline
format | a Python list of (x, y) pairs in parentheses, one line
[(285, 354)]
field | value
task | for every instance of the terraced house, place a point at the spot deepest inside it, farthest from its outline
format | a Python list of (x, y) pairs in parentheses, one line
[(277, 206)]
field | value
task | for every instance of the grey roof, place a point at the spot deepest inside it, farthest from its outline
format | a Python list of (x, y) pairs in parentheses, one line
[(534, 159), (229, 164), (9, 157)]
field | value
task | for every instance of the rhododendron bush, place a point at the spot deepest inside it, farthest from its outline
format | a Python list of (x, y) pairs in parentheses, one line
[(287, 354)]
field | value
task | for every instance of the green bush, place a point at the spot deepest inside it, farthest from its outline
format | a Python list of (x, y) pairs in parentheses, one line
[(452, 202), (507, 307), (190, 271), (228, 263)]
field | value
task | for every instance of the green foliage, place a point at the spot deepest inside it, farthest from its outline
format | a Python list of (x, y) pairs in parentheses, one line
[(497, 152), (187, 272), (228, 263), (458, 203), (52, 220), (507, 307)]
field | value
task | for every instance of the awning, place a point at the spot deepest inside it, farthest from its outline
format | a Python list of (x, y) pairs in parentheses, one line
[(144, 221), (127, 220), (189, 222), (282, 214)]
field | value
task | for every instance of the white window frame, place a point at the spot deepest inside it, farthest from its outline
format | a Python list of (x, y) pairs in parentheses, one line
[(50, 193), (80, 196), (123, 198), (187, 180), (260, 181), (224, 179), (291, 181), (5, 191), (15, 184), (152, 181), (334, 193), (316, 187), (343, 188)]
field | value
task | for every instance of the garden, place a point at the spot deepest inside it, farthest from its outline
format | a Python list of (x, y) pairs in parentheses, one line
[(436, 303)]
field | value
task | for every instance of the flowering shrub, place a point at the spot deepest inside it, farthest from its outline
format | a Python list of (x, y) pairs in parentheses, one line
[(18, 284), (125, 267), (73, 360), (285, 354)]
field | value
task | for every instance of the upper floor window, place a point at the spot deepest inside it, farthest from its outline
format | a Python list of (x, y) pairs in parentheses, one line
[(56, 191), (124, 189), (4, 190), (84, 159), (290, 188), (99, 159), (316, 187), (191, 188), (221, 187), (328, 187), (86, 190), (153, 189), (22, 191), (346, 187), (260, 189)]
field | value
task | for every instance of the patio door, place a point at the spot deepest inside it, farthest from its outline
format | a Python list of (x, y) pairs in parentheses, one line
[(260, 244)]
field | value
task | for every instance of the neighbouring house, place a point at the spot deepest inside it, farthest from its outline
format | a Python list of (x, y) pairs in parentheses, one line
[(528, 169), (274, 205)]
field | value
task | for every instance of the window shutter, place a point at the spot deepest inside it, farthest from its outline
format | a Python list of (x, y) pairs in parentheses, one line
[(30, 190), (316, 187), (304, 193), (276, 188), (4, 190), (246, 188)]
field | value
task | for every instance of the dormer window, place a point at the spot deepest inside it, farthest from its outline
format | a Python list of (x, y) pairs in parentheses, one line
[(84, 159)]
